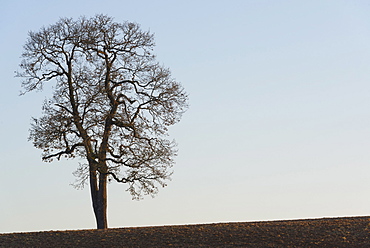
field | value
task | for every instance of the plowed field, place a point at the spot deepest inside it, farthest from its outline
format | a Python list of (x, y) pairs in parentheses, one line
[(327, 232)]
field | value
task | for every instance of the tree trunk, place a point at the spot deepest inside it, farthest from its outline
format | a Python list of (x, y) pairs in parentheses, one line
[(98, 189)]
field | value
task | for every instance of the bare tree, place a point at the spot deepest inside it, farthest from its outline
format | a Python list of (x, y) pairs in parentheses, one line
[(112, 104)]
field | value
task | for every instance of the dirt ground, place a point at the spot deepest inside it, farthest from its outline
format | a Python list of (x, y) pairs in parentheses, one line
[(327, 232)]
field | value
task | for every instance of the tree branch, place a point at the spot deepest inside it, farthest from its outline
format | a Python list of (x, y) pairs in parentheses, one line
[(123, 180), (66, 151)]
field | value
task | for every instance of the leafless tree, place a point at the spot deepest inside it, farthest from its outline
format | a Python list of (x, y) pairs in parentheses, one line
[(112, 104)]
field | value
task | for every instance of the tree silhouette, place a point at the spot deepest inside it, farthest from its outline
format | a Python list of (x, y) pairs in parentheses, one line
[(112, 104)]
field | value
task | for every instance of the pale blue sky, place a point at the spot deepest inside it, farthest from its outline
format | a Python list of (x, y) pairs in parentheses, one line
[(278, 127)]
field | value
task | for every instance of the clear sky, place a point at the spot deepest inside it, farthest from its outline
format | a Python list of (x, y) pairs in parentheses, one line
[(278, 125)]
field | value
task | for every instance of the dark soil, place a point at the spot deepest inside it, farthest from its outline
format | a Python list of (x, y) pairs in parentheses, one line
[(328, 232)]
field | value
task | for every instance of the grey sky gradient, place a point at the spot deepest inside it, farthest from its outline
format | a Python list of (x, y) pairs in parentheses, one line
[(278, 125)]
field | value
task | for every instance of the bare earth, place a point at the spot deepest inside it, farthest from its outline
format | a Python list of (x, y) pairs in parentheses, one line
[(327, 232)]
